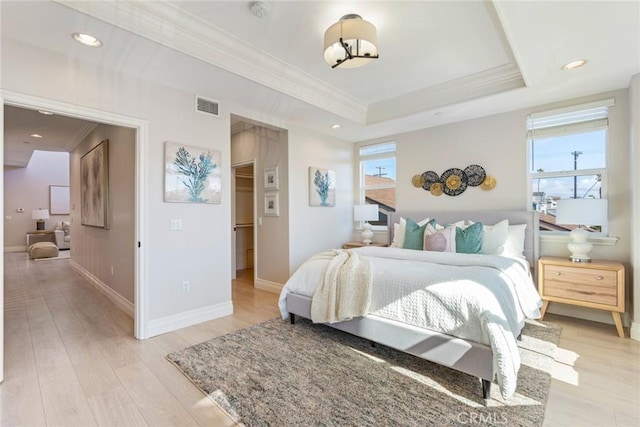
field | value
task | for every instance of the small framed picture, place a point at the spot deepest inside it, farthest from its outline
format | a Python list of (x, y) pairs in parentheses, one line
[(271, 178), (271, 204)]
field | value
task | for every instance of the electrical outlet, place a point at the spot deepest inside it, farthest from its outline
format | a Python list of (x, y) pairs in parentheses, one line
[(175, 224), (185, 286), (112, 270)]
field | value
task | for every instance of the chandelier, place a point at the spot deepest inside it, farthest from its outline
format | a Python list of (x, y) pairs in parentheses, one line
[(350, 43)]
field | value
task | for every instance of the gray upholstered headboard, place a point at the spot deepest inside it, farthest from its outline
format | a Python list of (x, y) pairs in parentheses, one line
[(531, 218)]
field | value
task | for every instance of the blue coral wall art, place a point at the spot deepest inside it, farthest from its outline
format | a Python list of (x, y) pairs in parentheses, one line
[(192, 174), (322, 187)]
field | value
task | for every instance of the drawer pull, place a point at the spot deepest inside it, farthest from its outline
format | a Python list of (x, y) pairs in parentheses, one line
[(586, 292), (557, 273), (599, 277)]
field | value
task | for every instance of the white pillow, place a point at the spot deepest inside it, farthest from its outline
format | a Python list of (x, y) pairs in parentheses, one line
[(440, 240), (400, 229), (494, 238), (514, 246)]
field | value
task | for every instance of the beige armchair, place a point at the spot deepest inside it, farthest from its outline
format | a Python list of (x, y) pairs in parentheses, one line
[(62, 233)]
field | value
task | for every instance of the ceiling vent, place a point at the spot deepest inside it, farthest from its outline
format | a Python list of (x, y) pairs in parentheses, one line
[(207, 106)]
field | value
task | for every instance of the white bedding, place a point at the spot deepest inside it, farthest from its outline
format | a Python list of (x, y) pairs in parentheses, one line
[(481, 298)]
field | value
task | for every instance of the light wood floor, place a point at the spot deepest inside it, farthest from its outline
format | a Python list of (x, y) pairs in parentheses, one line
[(71, 360)]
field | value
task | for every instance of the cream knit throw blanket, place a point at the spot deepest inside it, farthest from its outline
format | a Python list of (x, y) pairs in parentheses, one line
[(345, 291)]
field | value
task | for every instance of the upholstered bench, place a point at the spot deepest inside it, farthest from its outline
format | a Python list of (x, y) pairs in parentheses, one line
[(43, 250)]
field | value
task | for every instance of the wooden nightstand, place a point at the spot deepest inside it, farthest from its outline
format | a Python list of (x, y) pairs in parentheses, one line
[(360, 244), (597, 284)]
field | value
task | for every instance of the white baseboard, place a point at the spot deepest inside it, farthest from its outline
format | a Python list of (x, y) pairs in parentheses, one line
[(188, 318), (635, 331), (268, 286), (120, 301), (15, 249)]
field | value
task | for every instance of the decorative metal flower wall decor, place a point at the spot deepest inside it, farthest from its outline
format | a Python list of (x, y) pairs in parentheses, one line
[(454, 181)]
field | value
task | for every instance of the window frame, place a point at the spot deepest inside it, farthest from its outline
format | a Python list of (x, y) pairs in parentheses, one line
[(362, 187), (572, 128)]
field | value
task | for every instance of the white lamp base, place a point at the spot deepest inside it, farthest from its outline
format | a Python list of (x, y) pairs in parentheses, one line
[(579, 245), (367, 234)]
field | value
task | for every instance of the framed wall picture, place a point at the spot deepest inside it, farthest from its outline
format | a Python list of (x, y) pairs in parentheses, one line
[(271, 204), (59, 200), (322, 187), (94, 186), (192, 174), (271, 178)]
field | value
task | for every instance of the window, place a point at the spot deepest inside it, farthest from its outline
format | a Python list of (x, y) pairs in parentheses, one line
[(568, 160), (378, 178)]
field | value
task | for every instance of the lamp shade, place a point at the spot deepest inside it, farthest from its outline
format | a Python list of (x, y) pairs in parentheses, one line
[(358, 36), (365, 212), (582, 211), (40, 214)]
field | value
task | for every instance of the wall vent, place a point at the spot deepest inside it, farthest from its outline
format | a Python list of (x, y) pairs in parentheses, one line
[(207, 106)]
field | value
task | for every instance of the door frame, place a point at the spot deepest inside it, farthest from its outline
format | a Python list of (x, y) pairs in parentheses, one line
[(141, 128)]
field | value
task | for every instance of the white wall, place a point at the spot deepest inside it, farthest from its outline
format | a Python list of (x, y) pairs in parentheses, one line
[(316, 229), (199, 252), (498, 143), (634, 131), (108, 254), (28, 188)]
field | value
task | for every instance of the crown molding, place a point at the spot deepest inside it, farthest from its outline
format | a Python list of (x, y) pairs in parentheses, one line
[(485, 83), (172, 27)]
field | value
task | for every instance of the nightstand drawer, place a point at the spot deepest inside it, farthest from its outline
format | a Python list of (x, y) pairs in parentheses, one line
[(581, 284), (580, 292), (577, 275)]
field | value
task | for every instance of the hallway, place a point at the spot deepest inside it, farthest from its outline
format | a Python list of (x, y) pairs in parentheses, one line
[(71, 358)]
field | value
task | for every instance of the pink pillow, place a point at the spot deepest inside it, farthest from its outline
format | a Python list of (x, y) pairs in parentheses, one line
[(443, 240)]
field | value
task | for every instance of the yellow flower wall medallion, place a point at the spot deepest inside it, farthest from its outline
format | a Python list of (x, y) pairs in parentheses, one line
[(417, 181), (489, 183), (454, 182), (436, 189)]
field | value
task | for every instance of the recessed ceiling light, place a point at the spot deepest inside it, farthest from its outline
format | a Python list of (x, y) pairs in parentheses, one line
[(35, 135), (574, 64), (86, 39), (336, 126), (46, 113)]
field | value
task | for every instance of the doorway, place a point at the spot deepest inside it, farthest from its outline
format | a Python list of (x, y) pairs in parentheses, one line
[(140, 128), (244, 235)]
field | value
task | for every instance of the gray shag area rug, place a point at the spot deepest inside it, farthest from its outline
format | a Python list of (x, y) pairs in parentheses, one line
[(278, 374)]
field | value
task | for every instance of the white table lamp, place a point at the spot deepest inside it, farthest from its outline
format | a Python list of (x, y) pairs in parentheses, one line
[(40, 215), (365, 213), (581, 212)]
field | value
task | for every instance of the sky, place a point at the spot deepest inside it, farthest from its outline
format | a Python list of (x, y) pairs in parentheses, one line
[(556, 154)]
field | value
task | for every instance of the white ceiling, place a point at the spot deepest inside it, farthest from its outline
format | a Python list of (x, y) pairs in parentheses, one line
[(440, 61)]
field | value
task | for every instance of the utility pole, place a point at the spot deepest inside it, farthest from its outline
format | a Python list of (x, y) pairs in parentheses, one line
[(575, 155), (380, 169)]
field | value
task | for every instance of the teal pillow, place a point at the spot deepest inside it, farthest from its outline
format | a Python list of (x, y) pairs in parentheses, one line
[(469, 240), (414, 234)]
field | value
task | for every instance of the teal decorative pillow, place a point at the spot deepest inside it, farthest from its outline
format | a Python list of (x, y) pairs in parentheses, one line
[(414, 234), (469, 240)]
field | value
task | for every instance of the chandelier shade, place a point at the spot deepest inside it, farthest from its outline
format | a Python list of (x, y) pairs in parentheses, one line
[(350, 43)]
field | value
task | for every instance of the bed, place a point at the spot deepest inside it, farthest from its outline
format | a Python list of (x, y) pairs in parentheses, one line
[(459, 350)]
